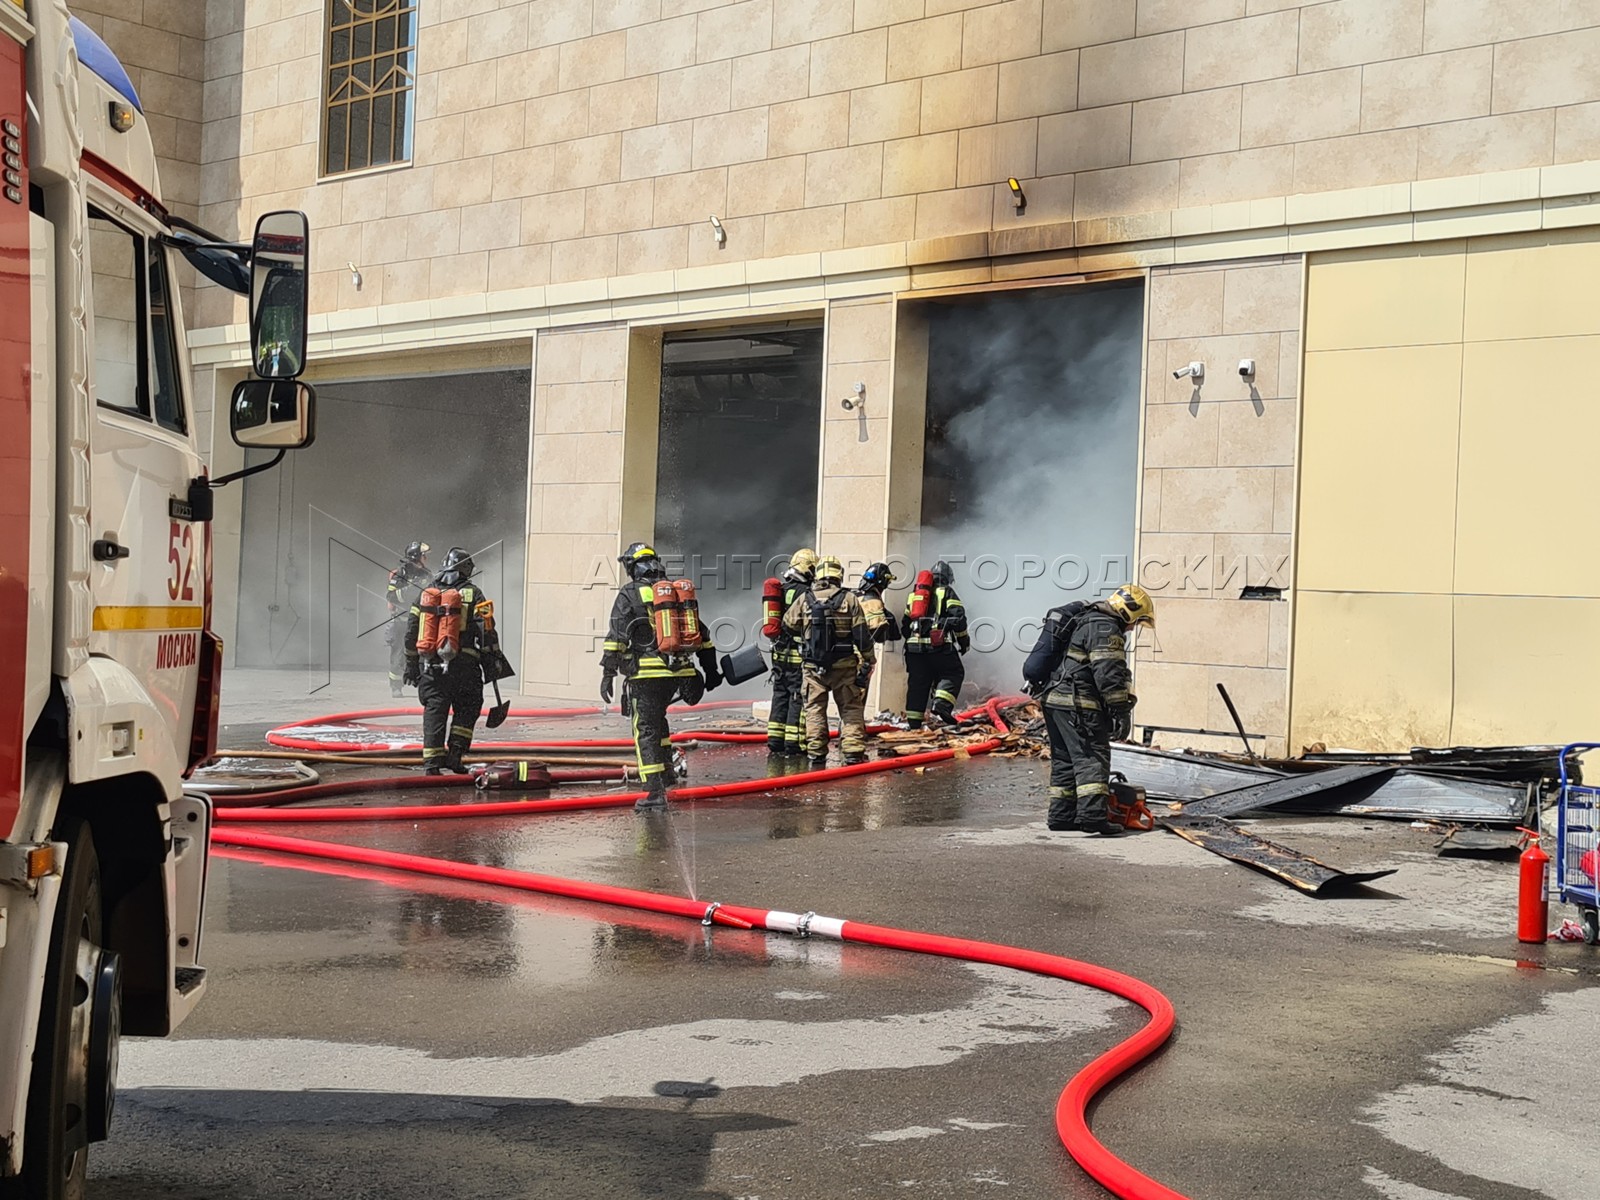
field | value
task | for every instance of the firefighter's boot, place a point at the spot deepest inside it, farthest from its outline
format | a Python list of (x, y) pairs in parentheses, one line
[(654, 800)]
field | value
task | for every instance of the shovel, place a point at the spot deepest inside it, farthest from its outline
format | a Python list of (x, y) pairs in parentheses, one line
[(497, 714), (495, 668)]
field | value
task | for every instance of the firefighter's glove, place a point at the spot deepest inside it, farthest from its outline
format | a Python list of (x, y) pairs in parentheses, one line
[(1122, 724), (963, 643), (413, 675), (864, 675), (713, 678), (608, 683)]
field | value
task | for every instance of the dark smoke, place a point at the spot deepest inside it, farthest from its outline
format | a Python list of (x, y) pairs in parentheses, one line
[(1032, 451)]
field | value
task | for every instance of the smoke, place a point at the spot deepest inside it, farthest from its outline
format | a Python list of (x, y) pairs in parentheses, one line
[(1031, 457), (441, 459)]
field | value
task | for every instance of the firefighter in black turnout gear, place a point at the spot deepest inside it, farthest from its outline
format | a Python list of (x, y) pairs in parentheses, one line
[(785, 723), (1079, 671), (875, 580), (653, 678), (447, 645), (936, 638), (405, 587)]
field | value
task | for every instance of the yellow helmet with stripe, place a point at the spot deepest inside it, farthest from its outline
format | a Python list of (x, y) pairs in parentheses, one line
[(1133, 604)]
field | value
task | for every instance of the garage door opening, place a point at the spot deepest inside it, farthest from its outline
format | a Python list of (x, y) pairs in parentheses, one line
[(736, 472), (1030, 462), (441, 459)]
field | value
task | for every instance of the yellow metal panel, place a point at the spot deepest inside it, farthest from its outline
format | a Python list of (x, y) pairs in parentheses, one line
[(1525, 670), (1378, 468), (1403, 296), (1371, 672), (148, 616), (1530, 426), (1533, 287)]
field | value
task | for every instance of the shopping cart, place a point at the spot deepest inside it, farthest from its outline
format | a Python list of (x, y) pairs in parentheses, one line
[(1578, 844)]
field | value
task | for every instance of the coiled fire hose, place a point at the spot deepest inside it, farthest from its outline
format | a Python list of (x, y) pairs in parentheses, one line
[(1072, 1126)]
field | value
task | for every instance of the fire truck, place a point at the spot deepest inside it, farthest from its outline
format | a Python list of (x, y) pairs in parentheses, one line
[(109, 671)]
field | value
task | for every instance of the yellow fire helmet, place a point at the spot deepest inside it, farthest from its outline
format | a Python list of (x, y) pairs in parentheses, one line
[(804, 560), (1133, 604), (829, 570)]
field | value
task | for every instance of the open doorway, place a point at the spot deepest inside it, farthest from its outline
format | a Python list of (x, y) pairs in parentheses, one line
[(441, 459), (1031, 455), (736, 472)]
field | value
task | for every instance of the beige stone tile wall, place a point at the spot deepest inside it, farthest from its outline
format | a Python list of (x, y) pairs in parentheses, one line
[(564, 140), (1217, 496), (575, 497)]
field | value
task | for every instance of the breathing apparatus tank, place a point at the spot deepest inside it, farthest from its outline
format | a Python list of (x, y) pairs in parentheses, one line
[(921, 606), (665, 616), (772, 608), (449, 643), (689, 607), (428, 622)]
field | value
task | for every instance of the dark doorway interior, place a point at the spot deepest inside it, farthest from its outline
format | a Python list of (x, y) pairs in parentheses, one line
[(736, 478), (1032, 451), (440, 458)]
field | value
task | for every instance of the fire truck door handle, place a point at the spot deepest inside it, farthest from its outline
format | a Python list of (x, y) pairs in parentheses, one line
[(108, 549)]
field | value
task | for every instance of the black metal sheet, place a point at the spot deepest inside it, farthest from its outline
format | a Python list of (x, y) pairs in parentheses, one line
[(1322, 790), (1298, 870)]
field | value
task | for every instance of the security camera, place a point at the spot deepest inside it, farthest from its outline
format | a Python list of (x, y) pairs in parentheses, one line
[(1195, 370), (856, 401), (1247, 368)]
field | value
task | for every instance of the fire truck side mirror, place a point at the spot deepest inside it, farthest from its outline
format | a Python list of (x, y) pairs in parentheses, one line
[(273, 414), (279, 258)]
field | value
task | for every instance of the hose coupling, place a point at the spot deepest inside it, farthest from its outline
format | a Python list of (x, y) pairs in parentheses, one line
[(711, 912), (802, 927)]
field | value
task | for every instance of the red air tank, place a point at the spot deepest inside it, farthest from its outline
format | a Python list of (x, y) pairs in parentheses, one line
[(921, 607), (688, 613), (667, 617), (428, 621), (1533, 891), (772, 608)]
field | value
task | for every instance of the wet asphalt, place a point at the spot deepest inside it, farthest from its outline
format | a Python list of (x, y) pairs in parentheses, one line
[(368, 1034)]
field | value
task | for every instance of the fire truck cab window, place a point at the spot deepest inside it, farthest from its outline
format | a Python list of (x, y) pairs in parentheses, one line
[(119, 350), (163, 347), (135, 347)]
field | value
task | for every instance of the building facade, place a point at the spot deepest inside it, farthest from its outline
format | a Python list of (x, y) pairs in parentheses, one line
[(1372, 222)]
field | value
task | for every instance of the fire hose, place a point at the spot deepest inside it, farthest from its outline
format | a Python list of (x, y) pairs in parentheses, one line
[(1117, 1176)]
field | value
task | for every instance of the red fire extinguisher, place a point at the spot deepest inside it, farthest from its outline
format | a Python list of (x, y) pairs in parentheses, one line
[(1533, 891), (772, 608)]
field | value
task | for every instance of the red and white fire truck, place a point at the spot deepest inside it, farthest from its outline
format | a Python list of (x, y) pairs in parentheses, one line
[(109, 672)]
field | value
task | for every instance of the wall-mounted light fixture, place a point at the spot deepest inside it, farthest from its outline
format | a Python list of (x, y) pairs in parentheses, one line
[(355, 276), (1019, 202), (718, 232)]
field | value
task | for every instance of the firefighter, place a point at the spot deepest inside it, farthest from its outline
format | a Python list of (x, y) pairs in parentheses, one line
[(936, 638), (451, 689), (652, 679), (875, 580), (784, 722), (1079, 667), (836, 649), (405, 585)]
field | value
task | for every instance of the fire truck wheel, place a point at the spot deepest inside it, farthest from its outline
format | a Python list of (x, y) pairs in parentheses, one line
[(60, 1124)]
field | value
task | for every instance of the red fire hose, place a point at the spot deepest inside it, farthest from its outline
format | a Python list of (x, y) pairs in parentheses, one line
[(1072, 1106), (392, 783), (1071, 1109)]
